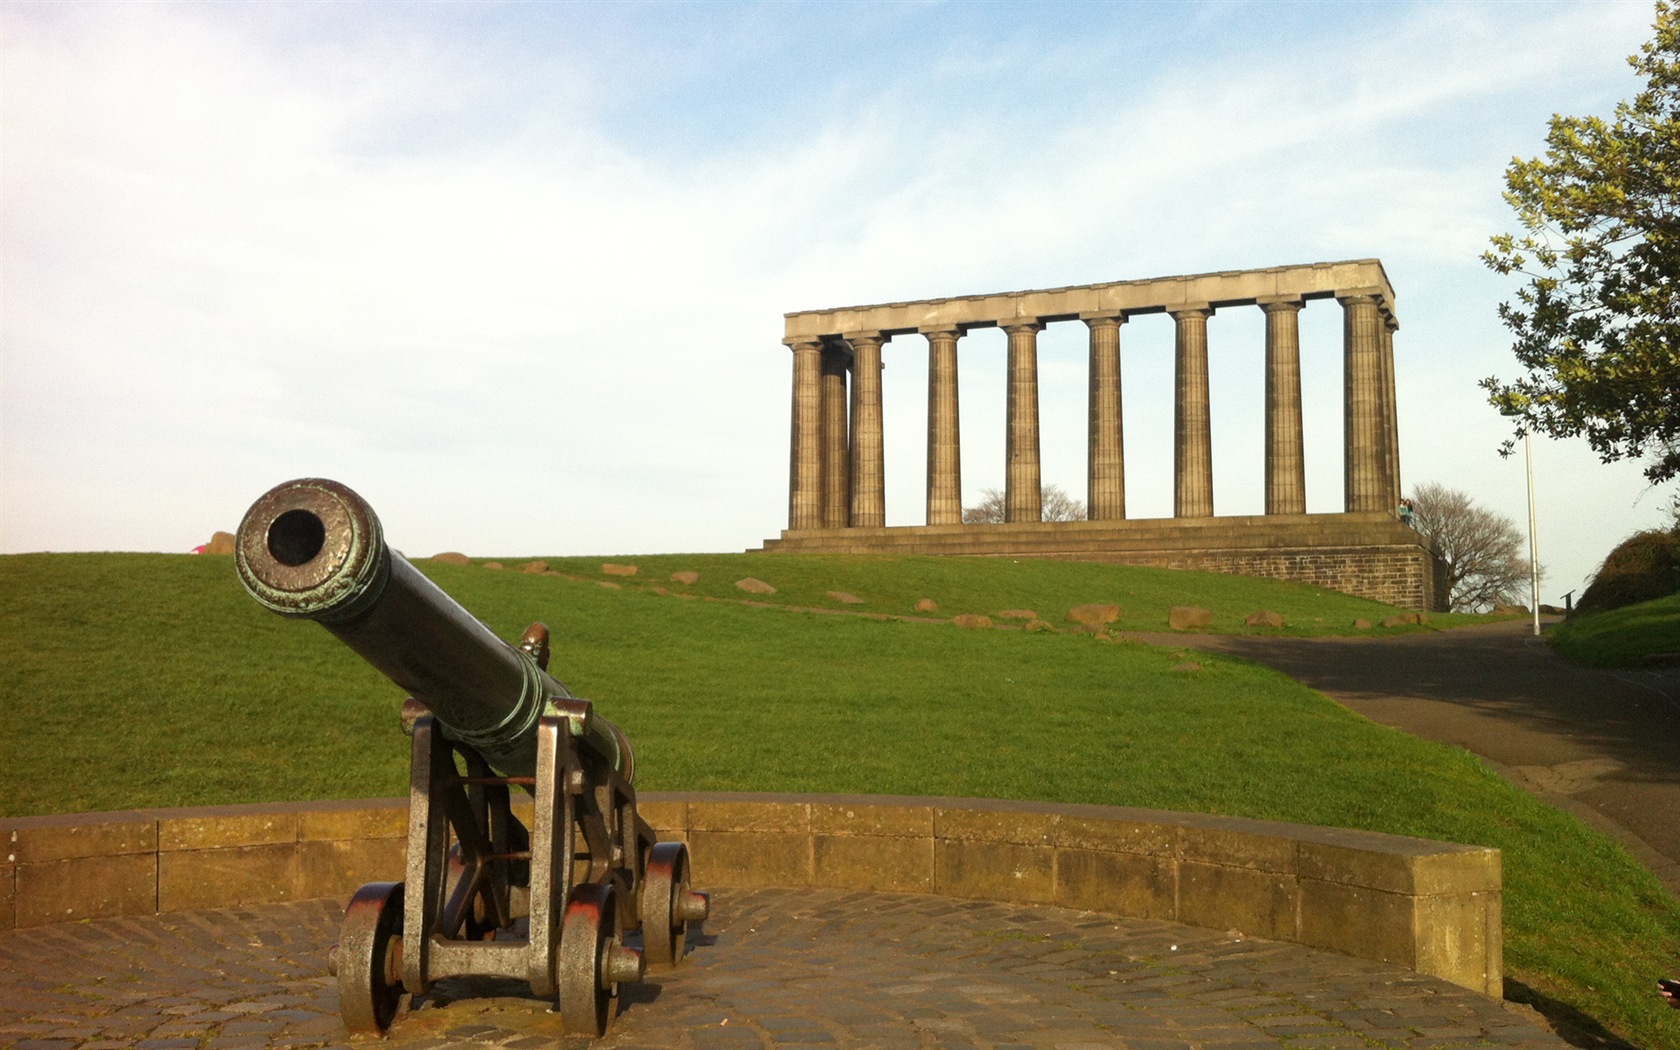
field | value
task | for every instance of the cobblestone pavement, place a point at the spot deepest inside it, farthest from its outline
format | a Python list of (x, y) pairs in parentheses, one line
[(773, 969)]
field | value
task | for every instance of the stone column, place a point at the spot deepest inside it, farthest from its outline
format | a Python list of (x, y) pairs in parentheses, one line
[(1362, 427), (944, 454), (1391, 414), (1286, 478), (1105, 460), (836, 453), (1023, 496), (869, 480), (1192, 433), (805, 458)]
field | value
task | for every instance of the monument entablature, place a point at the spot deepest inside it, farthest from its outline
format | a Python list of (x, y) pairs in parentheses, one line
[(837, 467), (1208, 291)]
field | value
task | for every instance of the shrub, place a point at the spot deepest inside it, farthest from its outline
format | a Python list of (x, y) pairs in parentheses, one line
[(1643, 567)]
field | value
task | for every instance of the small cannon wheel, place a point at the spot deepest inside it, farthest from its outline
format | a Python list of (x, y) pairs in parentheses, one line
[(668, 905), (368, 959), (592, 960)]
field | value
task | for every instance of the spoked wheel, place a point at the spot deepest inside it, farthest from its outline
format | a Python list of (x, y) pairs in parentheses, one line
[(668, 905), (592, 961), (368, 960)]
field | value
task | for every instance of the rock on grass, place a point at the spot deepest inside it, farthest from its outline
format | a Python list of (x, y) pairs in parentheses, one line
[(1188, 617)]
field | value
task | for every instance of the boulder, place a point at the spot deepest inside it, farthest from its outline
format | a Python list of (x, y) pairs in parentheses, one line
[(1188, 617), (1264, 618), (754, 586), (972, 620), (220, 543), (1401, 619), (452, 558), (927, 605), (534, 567), (1361, 624), (1510, 610), (618, 570), (492, 565), (687, 576), (845, 599), (1094, 614), (1017, 614)]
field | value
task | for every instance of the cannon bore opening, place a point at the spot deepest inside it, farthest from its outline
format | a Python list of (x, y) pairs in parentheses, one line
[(296, 537)]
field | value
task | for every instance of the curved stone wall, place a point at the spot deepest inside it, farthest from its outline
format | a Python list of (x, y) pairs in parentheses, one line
[(1431, 906)]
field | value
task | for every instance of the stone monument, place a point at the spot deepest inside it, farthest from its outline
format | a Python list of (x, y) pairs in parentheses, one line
[(837, 477)]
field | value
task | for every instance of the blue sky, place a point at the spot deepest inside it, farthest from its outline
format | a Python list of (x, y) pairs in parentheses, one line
[(516, 271)]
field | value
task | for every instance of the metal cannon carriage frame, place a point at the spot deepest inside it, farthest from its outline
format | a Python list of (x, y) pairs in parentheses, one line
[(484, 895)]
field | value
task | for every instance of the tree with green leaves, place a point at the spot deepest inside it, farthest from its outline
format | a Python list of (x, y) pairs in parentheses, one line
[(1597, 325)]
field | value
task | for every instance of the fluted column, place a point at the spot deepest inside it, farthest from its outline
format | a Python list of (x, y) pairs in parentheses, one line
[(805, 456), (1391, 413), (869, 480), (1192, 431), (836, 452), (944, 454), (1362, 426), (1105, 459), (1286, 477), (1023, 497)]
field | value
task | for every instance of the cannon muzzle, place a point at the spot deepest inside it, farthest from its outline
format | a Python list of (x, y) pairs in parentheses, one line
[(312, 548)]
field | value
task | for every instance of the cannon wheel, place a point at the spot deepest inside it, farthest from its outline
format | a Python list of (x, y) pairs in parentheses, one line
[(664, 890), (369, 958), (592, 960)]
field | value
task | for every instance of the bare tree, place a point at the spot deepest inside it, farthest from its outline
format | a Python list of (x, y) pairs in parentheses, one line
[(1057, 504), (1482, 550)]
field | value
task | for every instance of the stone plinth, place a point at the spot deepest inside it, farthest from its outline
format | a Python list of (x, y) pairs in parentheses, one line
[(1369, 555)]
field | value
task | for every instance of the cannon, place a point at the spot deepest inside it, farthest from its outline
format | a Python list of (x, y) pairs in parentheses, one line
[(483, 895)]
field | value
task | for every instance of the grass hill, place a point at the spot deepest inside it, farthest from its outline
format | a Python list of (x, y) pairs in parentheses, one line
[(987, 586), (1639, 635), (129, 680)]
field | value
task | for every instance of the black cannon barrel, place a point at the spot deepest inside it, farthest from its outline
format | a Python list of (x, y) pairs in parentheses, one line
[(312, 548)]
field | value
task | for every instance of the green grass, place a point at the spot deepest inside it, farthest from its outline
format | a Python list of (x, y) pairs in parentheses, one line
[(1632, 636), (131, 680), (893, 586)]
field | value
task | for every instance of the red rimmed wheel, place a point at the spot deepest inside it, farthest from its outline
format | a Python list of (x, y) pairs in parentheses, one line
[(668, 904), (592, 961), (368, 959)]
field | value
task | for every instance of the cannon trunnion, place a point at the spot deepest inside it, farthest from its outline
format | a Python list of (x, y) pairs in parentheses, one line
[(483, 894)]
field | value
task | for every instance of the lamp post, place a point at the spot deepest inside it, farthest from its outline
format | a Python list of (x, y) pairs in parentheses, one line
[(1533, 540)]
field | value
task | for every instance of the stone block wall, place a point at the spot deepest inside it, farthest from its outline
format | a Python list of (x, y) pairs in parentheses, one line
[(141, 862), (1430, 906), (1402, 576)]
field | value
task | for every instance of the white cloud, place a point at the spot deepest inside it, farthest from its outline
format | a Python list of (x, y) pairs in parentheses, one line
[(471, 277)]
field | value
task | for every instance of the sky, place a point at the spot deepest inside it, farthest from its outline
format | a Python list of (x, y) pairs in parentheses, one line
[(516, 272)]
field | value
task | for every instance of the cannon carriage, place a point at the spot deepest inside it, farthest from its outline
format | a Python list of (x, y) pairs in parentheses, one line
[(483, 894)]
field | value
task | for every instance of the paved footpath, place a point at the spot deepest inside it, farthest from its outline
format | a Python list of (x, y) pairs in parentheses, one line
[(1604, 744), (773, 969)]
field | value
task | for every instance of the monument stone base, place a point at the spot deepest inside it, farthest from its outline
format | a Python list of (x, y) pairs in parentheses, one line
[(1368, 555)]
